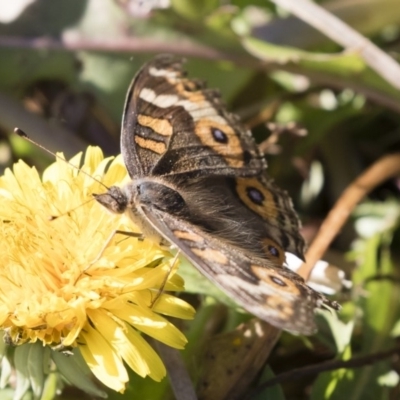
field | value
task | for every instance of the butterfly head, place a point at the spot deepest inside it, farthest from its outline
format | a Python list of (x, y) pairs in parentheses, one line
[(114, 200)]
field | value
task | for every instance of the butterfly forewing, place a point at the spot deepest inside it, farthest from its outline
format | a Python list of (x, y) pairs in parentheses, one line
[(173, 125)]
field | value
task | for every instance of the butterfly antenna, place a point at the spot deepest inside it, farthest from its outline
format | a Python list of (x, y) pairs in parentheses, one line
[(54, 217), (23, 135)]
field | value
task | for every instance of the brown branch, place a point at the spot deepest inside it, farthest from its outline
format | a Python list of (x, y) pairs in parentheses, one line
[(178, 375), (331, 365), (130, 45), (383, 169)]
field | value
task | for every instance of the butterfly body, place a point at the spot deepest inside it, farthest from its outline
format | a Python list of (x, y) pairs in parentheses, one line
[(199, 183)]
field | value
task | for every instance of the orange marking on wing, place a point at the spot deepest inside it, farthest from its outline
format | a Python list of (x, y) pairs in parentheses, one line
[(187, 89), (193, 237), (282, 306), (186, 85), (157, 147), (161, 126), (195, 97), (212, 255)]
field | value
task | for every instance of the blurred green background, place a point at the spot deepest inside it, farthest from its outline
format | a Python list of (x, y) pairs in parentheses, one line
[(65, 67)]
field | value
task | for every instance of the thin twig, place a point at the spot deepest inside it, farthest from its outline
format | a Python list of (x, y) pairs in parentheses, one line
[(331, 365), (383, 169), (343, 34), (178, 376), (135, 45)]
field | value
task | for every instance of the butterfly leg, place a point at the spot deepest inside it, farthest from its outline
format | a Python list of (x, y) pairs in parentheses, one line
[(108, 241), (164, 282), (139, 236)]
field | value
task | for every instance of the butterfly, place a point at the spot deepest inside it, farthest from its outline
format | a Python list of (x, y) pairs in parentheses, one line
[(199, 183)]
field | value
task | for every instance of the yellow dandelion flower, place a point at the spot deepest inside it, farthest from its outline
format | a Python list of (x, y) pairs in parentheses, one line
[(69, 281)]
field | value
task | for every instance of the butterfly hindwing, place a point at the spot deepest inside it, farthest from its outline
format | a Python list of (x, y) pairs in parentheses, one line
[(249, 213)]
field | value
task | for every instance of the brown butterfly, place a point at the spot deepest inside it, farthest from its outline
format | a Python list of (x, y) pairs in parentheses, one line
[(199, 183)]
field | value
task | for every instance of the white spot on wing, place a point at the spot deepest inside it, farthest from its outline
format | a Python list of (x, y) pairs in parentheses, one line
[(162, 72), (206, 112), (162, 100), (197, 110), (147, 95)]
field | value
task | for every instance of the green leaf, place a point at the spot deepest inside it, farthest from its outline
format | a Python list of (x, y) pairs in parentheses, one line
[(21, 356), (193, 9), (76, 372), (341, 331), (35, 368), (340, 70), (271, 393), (50, 387), (379, 305)]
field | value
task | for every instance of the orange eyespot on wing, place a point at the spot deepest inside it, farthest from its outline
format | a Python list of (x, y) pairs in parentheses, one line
[(221, 137), (271, 277), (257, 197), (273, 251)]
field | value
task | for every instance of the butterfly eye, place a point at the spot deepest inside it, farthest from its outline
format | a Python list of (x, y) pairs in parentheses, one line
[(255, 195), (219, 136)]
